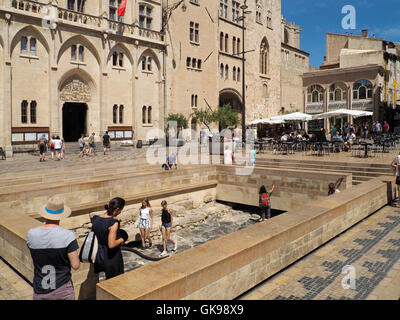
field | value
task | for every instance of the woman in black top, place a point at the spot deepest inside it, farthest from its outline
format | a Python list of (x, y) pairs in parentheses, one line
[(166, 227), (110, 238)]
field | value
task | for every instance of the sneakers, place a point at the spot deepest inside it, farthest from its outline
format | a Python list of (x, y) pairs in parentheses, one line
[(163, 254)]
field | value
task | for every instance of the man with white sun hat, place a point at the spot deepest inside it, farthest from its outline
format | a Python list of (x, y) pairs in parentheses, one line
[(54, 251)]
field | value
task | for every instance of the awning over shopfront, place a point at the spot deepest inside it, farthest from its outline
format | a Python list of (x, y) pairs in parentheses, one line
[(342, 112)]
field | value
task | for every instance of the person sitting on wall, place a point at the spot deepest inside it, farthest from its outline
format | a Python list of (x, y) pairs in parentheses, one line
[(171, 161), (333, 187)]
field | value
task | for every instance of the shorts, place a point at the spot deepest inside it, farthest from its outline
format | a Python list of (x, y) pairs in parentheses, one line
[(65, 292), (92, 145), (81, 148), (166, 225), (42, 149), (106, 145), (144, 223), (398, 181)]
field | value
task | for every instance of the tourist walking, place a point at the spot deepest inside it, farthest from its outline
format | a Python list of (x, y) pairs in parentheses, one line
[(167, 222), (395, 166), (57, 147), (378, 127), (253, 154), (145, 222), (110, 238), (62, 148), (92, 144), (106, 142), (228, 155), (42, 145), (52, 147), (81, 142), (386, 127), (265, 202), (54, 252)]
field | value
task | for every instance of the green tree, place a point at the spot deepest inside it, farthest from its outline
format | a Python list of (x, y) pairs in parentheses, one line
[(181, 122), (226, 116), (205, 116)]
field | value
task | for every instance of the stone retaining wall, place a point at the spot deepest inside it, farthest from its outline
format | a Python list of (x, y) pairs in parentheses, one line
[(293, 188), (229, 266)]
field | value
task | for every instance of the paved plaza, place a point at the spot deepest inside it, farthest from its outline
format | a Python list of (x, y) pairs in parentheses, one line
[(372, 247)]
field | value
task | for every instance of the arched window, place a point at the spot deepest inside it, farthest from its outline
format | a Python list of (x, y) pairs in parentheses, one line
[(226, 72), (115, 58), (194, 63), (199, 64), (315, 94), (188, 62), (238, 74), (264, 56), (143, 63), (73, 52), (286, 36), (33, 111), (149, 63), (221, 71), (265, 90), (32, 46), (221, 41), (121, 59), (192, 101), (234, 45), (195, 100), (234, 73), (226, 42), (337, 92), (81, 50), (121, 114), (24, 111), (362, 89), (149, 115), (115, 108), (144, 114), (238, 46), (24, 42)]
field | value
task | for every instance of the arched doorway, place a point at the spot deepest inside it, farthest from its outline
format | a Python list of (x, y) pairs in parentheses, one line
[(74, 115), (233, 98), (75, 95)]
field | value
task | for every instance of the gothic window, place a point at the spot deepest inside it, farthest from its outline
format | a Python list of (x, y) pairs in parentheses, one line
[(24, 111), (362, 89), (115, 108), (81, 50), (194, 63), (286, 36), (143, 63), (188, 61), (149, 115), (221, 71), (238, 46), (115, 58), (264, 56), (234, 45), (315, 94), (337, 92), (32, 46), (121, 59), (144, 114), (33, 111), (223, 8), (121, 114), (235, 10), (226, 72), (221, 42), (226, 42), (198, 63), (73, 52), (24, 41), (238, 74), (234, 73), (148, 63)]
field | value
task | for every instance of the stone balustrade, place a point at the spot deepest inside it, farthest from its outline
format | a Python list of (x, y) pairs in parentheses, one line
[(78, 17), (29, 6)]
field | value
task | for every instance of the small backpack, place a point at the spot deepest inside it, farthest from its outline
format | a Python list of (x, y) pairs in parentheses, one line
[(265, 199)]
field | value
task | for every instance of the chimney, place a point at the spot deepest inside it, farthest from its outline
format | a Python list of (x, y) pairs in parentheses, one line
[(364, 33)]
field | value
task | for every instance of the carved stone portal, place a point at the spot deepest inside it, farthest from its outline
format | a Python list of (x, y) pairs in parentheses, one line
[(75, 91)]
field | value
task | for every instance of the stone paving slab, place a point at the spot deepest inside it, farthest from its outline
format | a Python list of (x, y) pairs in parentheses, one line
[(371, 247), (12, 286)]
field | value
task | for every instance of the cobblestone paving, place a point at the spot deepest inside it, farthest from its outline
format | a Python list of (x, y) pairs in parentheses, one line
[(372, 247), (12, 286)]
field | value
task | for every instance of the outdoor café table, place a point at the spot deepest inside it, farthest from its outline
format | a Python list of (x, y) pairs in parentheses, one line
[(365, 144)]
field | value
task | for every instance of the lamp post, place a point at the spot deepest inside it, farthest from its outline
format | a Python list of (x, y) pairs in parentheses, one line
[(242, 18)]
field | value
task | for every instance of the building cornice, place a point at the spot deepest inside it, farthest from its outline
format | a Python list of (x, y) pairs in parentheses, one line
[(285, 45)]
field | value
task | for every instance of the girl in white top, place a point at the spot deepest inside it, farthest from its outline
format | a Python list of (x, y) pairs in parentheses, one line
[(395, 166), (145, 222)]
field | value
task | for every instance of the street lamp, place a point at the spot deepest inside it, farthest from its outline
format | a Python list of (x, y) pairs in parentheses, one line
[(242, 18)]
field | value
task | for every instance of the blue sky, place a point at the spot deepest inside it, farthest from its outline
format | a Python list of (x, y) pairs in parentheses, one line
[(316, 17)]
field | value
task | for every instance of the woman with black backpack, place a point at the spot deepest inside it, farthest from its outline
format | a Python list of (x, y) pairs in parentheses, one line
[(265, 202)]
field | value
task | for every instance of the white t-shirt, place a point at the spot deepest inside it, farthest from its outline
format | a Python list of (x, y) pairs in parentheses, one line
[(57, 144), (352, 138), (228, 156), (397, 166), (145, 213)]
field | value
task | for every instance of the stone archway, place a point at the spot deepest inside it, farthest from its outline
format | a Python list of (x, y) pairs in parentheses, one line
[(75, 95)]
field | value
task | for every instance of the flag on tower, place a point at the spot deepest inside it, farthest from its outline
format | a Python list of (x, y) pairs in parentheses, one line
[(121, 9)]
